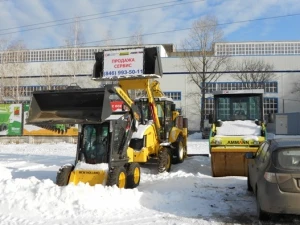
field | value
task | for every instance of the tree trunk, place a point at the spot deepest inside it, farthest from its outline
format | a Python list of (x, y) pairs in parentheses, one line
[(202, 117)]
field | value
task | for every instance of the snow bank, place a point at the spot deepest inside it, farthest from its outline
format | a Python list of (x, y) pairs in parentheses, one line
[(239, 128), (85, 166), (5, 174)]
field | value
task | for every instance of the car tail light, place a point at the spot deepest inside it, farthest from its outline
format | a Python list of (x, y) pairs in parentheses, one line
[(277, 177), (270, 177)]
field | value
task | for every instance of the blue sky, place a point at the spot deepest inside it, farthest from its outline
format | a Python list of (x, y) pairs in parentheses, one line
[(116, 21)]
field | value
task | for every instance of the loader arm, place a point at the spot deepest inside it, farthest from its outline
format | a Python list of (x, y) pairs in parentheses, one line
[(142, 84), (127, 100), (156, 90)]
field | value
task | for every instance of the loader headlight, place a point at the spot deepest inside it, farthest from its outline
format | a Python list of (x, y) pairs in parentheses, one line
[(217, 142), (256, 142)]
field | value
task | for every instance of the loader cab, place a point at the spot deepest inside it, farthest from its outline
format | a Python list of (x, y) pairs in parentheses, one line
[(243, 106), (106, 142), (164, 114), (144, 109), (94, 143)]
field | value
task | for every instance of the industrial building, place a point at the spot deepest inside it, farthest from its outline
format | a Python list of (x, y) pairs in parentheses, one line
[(57, 68)]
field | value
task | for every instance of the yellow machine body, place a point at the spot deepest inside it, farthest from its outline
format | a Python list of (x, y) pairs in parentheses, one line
[(92, 177), (228, 155), (152, 141), (237, 127)]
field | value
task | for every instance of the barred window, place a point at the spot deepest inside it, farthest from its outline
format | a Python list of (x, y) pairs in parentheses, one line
[(259, 48), (271, 87), (26, 91), (175, 95), (209, 106), (270, 105), (210, 87)]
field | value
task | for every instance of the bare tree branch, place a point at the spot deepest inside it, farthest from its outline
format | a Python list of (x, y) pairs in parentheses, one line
[(199, 59), (74, 42), (137, 37), (48, 76), (254, 73), (108, 40), (296, 88), (13, 56)]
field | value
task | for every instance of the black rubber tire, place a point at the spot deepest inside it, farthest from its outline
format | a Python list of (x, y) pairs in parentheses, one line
[(117, 176), (262, 215), (249, 188), (133, 175), (179, 151), (164, 160), (63, 175)]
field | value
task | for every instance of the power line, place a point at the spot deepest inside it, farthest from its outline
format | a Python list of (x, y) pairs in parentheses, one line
[(164, 5), (72, 18), (219, 24)]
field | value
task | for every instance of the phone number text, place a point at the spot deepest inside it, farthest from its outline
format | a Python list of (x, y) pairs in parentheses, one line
[(123, 72)]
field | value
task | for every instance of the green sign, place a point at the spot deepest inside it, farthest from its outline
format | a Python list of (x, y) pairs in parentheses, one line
[(10, 119), (47, 129)]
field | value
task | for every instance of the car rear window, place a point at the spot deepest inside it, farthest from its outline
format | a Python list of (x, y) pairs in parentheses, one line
[(289, 158)]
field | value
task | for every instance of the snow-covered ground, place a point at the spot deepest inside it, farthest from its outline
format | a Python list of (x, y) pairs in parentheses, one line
[(186, 195)]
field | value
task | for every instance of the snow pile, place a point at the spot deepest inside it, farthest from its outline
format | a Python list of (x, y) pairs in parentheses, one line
[(85, 166), (239, 128), (141, 130), (5, 173), (186, 195)]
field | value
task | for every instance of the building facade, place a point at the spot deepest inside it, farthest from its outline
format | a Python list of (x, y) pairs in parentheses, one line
[(57, 68)]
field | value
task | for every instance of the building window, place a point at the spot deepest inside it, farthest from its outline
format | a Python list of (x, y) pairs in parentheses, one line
[(175, 95), (210, 87), (209, 106), (259, 48), (271, 87), (270, 105)]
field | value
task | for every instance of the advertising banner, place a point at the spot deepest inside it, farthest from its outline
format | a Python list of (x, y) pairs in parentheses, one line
[(123, 63), (48, 130), (10, 119), (116, 105)]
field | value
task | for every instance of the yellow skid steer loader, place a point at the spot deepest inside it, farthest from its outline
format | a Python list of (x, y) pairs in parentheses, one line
[(102, 148)]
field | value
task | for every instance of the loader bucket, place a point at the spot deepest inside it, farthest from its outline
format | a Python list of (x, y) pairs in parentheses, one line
[(92, 177), (72, 106)]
